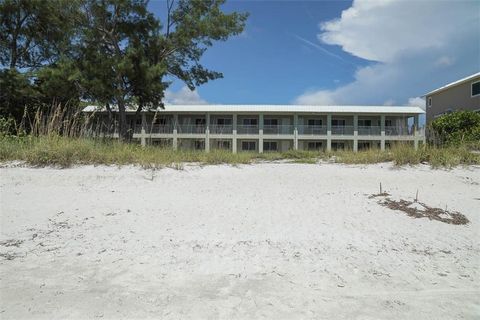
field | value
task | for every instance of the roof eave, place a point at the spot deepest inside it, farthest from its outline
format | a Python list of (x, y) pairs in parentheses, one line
[(452, 84)]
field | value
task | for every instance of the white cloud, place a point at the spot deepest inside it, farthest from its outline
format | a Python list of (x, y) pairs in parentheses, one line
[(416, 102), (183, 96), (411, 49)]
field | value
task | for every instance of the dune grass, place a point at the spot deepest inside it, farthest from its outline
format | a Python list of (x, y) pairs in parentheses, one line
[(63, 152)]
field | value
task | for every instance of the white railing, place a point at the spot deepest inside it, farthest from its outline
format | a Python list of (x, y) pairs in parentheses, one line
[(189, 128), (369, 130), (247, 129), (342, 130), (312, 130), (159, 128), (398, 131), (278, 129), (221, 129)]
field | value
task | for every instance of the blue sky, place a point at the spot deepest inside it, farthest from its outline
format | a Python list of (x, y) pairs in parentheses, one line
[(339, 52)]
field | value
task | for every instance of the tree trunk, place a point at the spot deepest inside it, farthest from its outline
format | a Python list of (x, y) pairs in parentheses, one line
[(122, 130), (110, 128), (138, 114)]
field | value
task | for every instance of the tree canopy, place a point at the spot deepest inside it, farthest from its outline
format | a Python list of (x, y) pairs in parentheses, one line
[(112, 52)]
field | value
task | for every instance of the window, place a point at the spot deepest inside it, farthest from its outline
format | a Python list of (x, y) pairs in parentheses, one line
[(338, 122), (270, 146), (314, 122), (138, 121), (365, 123), (314, 145), (249, 145), (388, 123), (429, 102), (271, 122), (249, 122), (224, 121), (475, 89)]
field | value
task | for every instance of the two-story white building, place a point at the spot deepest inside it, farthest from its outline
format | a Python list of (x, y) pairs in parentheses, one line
[(262, 128)]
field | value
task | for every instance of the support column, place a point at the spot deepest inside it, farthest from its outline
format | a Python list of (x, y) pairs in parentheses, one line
[(143, 134), (382, 132), (234, 133), (175, 132), (207, 132), (329, 132), (416, 119), (355, 133), (295, 132), (260, 133)]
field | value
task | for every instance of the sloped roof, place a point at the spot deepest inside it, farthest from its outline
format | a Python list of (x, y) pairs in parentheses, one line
[(454, 83), (264, 108)]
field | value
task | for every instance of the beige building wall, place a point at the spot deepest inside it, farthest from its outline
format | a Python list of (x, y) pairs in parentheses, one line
[(458, 97)]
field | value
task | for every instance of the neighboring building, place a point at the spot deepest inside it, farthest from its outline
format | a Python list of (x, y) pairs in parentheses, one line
[(463, 94), (268, 127)]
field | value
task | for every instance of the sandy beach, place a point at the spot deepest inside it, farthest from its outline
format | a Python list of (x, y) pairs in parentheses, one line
[(263, 241)]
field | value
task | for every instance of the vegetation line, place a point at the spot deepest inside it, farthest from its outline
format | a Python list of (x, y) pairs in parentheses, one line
[(56, 150)]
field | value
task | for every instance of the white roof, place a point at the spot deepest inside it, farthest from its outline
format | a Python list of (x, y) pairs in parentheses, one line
[(455, 83), (266, 108)]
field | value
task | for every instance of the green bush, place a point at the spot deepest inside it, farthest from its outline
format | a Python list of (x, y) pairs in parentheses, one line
[(457, 127), (7, 126)]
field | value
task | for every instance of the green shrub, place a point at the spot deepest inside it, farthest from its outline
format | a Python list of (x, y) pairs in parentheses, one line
[(7, 126), (457, 127)]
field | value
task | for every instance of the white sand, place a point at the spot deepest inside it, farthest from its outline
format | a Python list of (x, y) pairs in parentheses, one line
[(277, 241)]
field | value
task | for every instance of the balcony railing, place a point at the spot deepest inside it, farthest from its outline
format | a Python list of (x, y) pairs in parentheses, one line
[(312, 130), (159, 128), (247, 129), (221, 129), (103, 129), (398, 131), (279, 129), (191, 129), (368, 130), (342, 130)]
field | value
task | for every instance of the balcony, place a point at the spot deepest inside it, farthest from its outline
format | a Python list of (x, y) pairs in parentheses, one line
[(159, 129), (312, 130), (398, 131), (369, 130), (278, 129), (342, 130), (191, 129), (221, 129), (247, 129)]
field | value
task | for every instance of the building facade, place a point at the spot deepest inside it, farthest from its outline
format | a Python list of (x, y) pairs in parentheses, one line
[(263, 128), (463, 94)]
